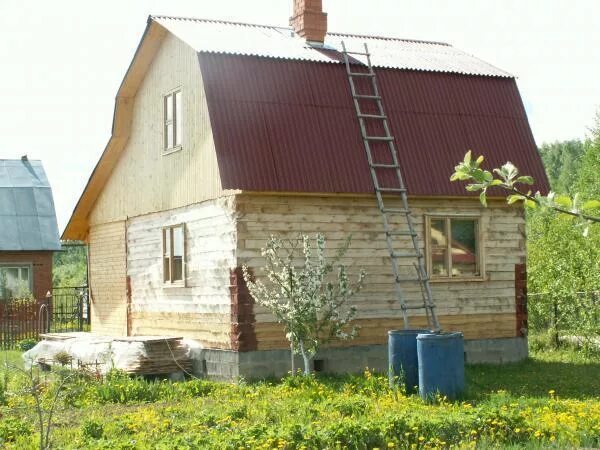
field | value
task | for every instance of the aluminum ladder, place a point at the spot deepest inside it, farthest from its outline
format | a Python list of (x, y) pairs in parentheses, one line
[(403, 214)]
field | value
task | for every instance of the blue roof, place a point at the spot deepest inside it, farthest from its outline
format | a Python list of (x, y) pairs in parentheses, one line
[(27, 216)]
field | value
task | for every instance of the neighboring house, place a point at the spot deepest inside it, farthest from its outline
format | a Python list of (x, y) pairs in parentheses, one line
[(28, 229), (225, 133)]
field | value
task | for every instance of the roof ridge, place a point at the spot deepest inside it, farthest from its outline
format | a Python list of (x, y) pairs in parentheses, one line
[(333, 33)]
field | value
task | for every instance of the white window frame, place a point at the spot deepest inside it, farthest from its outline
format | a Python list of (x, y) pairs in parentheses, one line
[(176, 122), (479, 247), (170, 282), (20, 266)]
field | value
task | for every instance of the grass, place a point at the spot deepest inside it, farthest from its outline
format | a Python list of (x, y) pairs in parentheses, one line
[(549, 401)]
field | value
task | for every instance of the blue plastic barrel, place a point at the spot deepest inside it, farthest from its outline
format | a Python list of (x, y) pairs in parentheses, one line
[(402, 358), (441, 364)]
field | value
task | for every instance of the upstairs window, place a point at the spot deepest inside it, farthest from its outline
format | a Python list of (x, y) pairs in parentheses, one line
[(173, 254), (173, 130), (15, 281), (453, 247)]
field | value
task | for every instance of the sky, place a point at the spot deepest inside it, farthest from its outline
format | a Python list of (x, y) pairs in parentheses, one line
[(62, 61)]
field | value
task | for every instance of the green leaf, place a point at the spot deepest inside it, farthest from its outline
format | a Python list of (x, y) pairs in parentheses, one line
[(530, 204), (482, 198), (487, 175), (479, 160), (525, 179), (514, 198), (474, 187), (495, 182), (454, 177), (562, 200), (467, 159), (591, 204)]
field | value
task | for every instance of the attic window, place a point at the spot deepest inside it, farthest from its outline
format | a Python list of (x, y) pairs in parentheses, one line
[(173, 239), (173, 118)]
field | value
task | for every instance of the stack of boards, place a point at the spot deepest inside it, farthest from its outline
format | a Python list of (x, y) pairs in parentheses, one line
[(163, 355), (136, 355)]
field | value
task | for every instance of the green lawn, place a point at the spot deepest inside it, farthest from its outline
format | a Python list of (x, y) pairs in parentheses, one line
[(507, 406)]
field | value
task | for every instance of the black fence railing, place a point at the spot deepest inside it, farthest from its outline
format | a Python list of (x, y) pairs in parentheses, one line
[(21, 320), (69, 309)]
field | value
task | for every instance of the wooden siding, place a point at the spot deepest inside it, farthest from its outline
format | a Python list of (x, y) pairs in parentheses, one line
[(483, 309), (201, 309), (145, 180), (108, 279)]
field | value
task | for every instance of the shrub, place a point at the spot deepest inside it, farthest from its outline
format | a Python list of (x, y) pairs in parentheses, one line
[(92, 429), (12, 427), (26, 344)]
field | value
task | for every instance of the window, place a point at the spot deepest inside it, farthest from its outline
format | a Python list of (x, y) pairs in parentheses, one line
[(14, 280), (173, 131), (453, 247), (173, 254)]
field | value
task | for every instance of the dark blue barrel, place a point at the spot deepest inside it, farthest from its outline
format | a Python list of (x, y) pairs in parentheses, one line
[(441, 364), (402, 358)]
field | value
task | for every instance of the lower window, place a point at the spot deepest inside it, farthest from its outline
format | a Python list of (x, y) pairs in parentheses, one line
[(453, 247), (15, 281), (173, 254)]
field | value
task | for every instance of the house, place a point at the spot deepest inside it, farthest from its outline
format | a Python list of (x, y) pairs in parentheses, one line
[(225, 133), (28, 229)]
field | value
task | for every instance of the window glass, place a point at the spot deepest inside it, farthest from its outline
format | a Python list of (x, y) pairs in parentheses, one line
[(169, 135), (178, 119), (166, 253), (173, 253), (14, 281), (169, 107), (439, 247), (464, 247), (177, 254)]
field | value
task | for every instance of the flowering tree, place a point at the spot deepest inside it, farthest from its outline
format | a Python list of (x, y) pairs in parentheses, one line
[(307, 292)]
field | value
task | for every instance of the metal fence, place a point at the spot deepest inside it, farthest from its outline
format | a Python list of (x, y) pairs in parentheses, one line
[(68, 310), (22, 320)]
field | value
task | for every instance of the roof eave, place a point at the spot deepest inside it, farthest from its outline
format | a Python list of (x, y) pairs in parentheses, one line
[(154, 34)]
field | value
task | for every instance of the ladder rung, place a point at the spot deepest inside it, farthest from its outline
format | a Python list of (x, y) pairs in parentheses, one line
[(401, 233), (397, 211), (379, 138), (412, 279), (407, 255), (387, 189), (385, 166), (372, 116), (361, 74), (358, 53), (372, 97), (416, 307)]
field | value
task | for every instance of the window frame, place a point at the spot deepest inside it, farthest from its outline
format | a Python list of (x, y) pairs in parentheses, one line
[(19, 266), (479, 247), (175, 121), (170, 282)]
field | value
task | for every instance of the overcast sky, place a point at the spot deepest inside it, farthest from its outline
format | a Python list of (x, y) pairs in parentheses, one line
[(62, 62)]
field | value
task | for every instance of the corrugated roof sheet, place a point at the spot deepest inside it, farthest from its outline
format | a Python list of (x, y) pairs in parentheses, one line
[(291, 126), (213, 36), (27, 216)]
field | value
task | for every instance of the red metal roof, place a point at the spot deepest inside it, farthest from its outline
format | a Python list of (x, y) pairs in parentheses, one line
[(291, 126)]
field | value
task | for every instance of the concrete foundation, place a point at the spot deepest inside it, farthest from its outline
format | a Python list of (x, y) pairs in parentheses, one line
[(226, 364)]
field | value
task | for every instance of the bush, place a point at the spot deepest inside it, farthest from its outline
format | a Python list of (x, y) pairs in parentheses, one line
[(26, 344), (92, 429)]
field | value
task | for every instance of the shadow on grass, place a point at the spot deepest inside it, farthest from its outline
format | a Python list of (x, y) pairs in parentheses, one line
[(535, 378)]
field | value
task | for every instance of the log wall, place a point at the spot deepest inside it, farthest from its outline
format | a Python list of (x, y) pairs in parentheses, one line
[(482, 309), (200, 309)]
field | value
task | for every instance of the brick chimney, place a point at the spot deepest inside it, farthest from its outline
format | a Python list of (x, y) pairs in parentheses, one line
[(309, 20)]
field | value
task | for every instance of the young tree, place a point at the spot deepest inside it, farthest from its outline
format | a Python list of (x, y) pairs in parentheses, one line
[(507, 178), (307, 292)]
